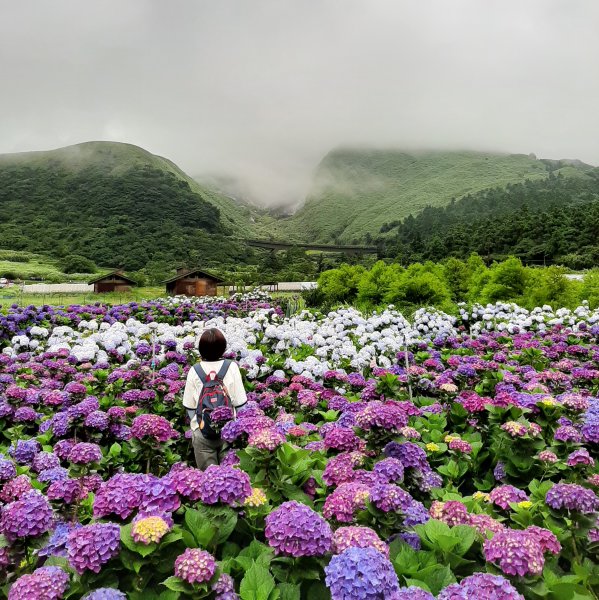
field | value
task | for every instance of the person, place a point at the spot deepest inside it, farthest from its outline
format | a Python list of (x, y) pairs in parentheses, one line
[(212, 346)]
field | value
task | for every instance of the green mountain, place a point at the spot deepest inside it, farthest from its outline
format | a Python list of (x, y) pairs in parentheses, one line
[(115, 204), (356, 191)]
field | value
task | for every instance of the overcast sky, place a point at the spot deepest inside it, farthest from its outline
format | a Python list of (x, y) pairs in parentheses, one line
[(262, 89)]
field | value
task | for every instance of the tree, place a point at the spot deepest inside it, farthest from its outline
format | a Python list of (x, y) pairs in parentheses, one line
[(78, 264)]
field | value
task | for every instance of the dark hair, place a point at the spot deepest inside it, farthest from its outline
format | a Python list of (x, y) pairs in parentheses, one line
[(212, 344)]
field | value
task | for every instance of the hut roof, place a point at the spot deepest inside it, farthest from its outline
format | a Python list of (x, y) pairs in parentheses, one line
[(187, 273), (116, 273)]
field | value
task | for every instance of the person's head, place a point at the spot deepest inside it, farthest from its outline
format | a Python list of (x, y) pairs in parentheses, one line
[(212, 344)]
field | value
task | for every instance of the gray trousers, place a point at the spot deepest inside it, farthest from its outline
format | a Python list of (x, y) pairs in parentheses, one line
[(207, 452)]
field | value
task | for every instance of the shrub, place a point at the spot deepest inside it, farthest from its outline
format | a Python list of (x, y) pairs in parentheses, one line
[(78, 264)]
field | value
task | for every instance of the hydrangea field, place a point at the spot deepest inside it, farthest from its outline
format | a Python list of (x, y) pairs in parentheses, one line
[(377, 458)]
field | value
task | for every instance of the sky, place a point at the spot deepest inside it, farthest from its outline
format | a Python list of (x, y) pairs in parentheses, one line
[(261, 90)]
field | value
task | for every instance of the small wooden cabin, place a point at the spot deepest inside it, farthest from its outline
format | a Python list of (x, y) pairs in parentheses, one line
[(194, 282), (116, 281)]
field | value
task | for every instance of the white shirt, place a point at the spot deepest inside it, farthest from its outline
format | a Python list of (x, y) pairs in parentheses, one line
[(194, 385)]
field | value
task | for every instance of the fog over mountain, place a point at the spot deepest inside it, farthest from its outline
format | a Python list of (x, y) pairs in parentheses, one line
[(258, 92)]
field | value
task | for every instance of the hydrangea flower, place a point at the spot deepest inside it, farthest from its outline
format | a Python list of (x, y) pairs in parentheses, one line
[(390, 498), (45, 583), (504, 495), (358, 537), (413, 593), (149, 530), (105, 594), (223, 484), (391, 469), (482, 586), (91, 546), (515, 552), (154, 427), (268, 439), (361, 574), (28, 517), (345, 500), (85, 453), (296, 530), (572, 497), (195, 566)]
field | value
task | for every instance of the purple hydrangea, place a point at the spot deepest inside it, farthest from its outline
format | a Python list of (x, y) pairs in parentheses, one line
[(187, 482), (391, 469), (45, 460), (45, 583), (154, 427), (341, 438), (159, 496), (296, 530), (572, 497), (390, 498), (15, 488), (25, 414), (97, 419), (57, 544), (224, 484), (345, 501), (224, 585), (358, 537), (63, 448), (24, 451), (580, 457), (7, 469), (504, 495), (85, 453), (29, 516), (120, 495), (52, 475), (105, 594), (483, 586), (383, 415), (413, 593), (91, 546), (195, 566), (361, 574), (411, 455), (515, 552)]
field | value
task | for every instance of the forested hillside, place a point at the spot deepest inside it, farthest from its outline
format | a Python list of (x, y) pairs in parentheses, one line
[(356, 191), (115, 204), (550, 220)]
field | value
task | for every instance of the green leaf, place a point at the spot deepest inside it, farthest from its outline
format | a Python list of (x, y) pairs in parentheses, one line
[(257, 584), (3, 542), (115, 450), (436, 577), (176, 585), (466, 536), (289, 591), (202, 529)]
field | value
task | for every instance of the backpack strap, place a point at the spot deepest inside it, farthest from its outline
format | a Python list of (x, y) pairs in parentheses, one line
[(200, 373), (223, 370)]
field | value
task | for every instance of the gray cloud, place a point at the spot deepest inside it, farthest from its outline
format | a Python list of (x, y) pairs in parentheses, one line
[(262, 89)]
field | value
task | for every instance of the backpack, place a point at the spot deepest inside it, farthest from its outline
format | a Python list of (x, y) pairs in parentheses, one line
[(213, 394)]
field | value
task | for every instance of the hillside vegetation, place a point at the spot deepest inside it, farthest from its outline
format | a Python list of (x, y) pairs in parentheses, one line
[(552, 220), (356, 191), (115, 204)]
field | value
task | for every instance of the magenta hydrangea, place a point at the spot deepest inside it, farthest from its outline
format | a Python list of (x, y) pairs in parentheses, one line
[(515, 552), (85, 453), (92, 546), (390, 416), (45, 583), (361, 574), (223, 484), (120, 495), (358, 537), (504, 495), (153, 427), (345, 501), (294, 529), (195, 566), (187, 482), (268, 439), (482, 586)]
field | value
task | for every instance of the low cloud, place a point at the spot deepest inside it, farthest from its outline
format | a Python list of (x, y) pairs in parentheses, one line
[(260, 91)]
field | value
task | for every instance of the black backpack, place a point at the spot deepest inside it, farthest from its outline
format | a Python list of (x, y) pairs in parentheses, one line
[(213, 394)]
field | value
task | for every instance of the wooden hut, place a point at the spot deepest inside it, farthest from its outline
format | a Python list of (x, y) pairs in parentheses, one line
[(193, 282), (116, 281)]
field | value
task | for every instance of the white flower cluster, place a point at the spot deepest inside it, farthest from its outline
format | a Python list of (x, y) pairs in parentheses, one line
[(308, 344)]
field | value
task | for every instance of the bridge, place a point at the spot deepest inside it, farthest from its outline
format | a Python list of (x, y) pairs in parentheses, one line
[(271, 245)]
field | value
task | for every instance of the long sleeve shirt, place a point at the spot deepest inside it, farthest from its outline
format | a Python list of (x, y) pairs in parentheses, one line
[(193, 387)]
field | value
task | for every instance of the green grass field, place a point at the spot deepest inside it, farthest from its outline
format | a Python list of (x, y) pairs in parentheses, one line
[(9, 296)]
